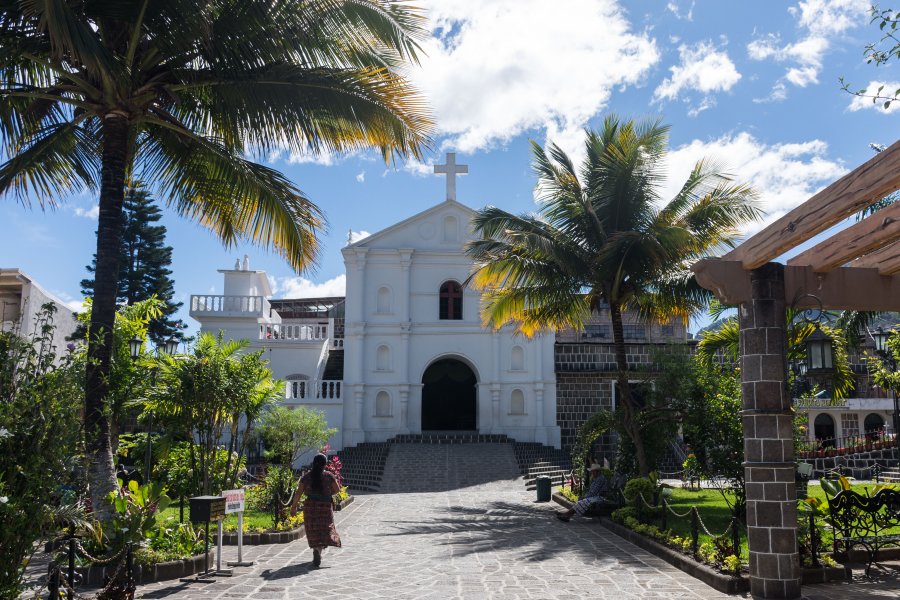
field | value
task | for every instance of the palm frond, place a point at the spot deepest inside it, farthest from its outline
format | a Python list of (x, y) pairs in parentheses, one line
[(232, 196)]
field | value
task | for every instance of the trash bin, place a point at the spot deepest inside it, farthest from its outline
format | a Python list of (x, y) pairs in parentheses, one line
[(543, 488)]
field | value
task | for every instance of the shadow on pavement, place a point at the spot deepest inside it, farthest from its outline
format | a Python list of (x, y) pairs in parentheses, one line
[(504, 525)]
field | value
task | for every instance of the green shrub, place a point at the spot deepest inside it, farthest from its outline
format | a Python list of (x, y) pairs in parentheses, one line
[(637, 487), (732, 564), (621, 514)]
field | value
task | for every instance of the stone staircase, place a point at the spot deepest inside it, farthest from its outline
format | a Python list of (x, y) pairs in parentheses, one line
[(438, 467), (363, 466), (535, 460), (334, 365), (892, 476), (448, 460)]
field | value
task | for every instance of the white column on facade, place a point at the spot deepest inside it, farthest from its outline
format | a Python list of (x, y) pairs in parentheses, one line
[(403, 367), (495, 383), (405, 293), (404, 408), (495, 409), (354, 348), (540, 433)]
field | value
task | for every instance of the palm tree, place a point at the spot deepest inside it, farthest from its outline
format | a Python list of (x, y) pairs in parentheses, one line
[(179, 93), (604, 237)]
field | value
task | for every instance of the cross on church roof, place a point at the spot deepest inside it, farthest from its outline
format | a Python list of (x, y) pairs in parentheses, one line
[(451, 170)]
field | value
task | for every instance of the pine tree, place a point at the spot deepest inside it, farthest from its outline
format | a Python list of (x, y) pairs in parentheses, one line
[(143, 262)]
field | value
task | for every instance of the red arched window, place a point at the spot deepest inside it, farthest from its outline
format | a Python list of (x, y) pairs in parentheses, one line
[(451, 301)]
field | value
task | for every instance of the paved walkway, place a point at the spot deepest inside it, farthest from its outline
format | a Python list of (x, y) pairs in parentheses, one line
[(485, 541)]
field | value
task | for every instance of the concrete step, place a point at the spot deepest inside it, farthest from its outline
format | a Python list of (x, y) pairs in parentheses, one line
[(417, 467)]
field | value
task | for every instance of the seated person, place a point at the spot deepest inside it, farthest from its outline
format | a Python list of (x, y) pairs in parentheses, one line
[(599, 486)]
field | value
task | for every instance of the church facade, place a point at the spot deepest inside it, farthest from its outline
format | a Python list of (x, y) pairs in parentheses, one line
[(405, 352)]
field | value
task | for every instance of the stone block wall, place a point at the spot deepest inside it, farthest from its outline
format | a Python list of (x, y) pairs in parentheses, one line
[(578, 396)]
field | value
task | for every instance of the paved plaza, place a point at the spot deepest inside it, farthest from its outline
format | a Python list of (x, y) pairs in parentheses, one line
[(485, 541)]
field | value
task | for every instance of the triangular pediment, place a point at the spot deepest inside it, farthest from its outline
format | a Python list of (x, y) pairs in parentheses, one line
[(443, 227)]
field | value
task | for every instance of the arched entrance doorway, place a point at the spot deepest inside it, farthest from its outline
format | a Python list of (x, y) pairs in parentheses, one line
[(448, 396), (824, 430), (873, 425)]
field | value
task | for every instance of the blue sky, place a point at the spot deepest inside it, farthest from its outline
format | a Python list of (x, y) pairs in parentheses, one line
[(752, 84)]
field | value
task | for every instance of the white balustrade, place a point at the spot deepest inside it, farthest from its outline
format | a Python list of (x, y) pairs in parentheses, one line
[(305, 389), (242, 305), (294, 332), (337, 342), (329, 389)]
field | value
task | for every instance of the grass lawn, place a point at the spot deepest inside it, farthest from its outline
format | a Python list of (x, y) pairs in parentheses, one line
[(715, 513), (254, 521)]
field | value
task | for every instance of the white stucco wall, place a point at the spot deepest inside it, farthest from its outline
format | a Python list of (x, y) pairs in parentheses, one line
[(411, 260)]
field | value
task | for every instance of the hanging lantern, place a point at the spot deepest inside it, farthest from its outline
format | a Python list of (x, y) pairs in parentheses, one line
[(170, 346), (134, 346), (880, 336), (819, 352)]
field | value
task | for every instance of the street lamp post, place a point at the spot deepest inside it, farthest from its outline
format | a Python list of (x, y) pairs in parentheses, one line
[(880, 336), (168, 347)]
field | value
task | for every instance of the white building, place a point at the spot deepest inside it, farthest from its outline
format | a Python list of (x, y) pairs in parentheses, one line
[(405, 352), (21, 299)]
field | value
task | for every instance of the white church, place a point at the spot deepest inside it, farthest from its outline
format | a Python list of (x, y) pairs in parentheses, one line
[(405, 352)]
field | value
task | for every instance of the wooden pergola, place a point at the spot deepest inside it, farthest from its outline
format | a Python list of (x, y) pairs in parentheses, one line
[(856, 268)]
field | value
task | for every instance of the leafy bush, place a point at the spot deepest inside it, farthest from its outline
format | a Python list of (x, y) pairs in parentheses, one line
[(276, 491), (40, 442), (173, 541), (732, 564), (178, 473), (568, 493), (626, 512)]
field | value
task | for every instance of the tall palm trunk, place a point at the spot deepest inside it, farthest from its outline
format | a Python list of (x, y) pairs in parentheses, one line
[(101, 472), (631, 421)]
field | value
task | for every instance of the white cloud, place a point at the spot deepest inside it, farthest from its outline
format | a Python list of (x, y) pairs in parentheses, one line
[(861, 103), (75, 305), (495, 70), (785, 175), (361, 177), (417, 167), (301, 287), (92, 213), (355, 236), (703, 68), (681, 14), (817, 21)]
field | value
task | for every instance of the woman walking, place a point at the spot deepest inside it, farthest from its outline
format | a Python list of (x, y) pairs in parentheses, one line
[(318, 512)]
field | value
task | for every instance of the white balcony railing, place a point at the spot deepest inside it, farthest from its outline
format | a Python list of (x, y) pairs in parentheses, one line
[(337, 343), (313, 390), (294, 332), (250, 306)]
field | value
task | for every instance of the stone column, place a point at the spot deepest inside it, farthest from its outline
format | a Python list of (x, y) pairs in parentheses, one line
[(404, 408), (768, 442)]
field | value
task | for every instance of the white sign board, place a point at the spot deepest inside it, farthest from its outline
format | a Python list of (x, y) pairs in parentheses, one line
[(234, 501)]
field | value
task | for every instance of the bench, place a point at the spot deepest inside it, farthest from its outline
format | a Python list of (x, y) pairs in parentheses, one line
[(865, 521), (613, 499)]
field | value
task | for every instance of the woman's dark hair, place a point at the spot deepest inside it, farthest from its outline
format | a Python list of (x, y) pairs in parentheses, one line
[(315, 474)]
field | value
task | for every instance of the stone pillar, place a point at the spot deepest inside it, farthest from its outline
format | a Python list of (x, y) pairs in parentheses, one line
[(768, 443), (404, 408)]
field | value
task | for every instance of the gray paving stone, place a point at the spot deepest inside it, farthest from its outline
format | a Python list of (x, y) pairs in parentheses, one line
[(487, 540)]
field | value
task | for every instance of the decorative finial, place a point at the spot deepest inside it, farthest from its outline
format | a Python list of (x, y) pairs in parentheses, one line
[(451, 170), (237, 264), (246, 263)]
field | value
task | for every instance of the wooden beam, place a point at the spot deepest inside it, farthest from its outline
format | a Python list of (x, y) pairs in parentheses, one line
[(865, 185), (873, 232), (872, 259), (890, 265), (844, 288)]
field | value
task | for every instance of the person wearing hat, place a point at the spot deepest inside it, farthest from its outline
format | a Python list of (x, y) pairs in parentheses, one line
[(318, 486), (599, 486)]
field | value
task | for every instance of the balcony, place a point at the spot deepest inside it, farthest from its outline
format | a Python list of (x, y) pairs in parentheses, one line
[(296, 392), (293, 332), (208, 305)]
